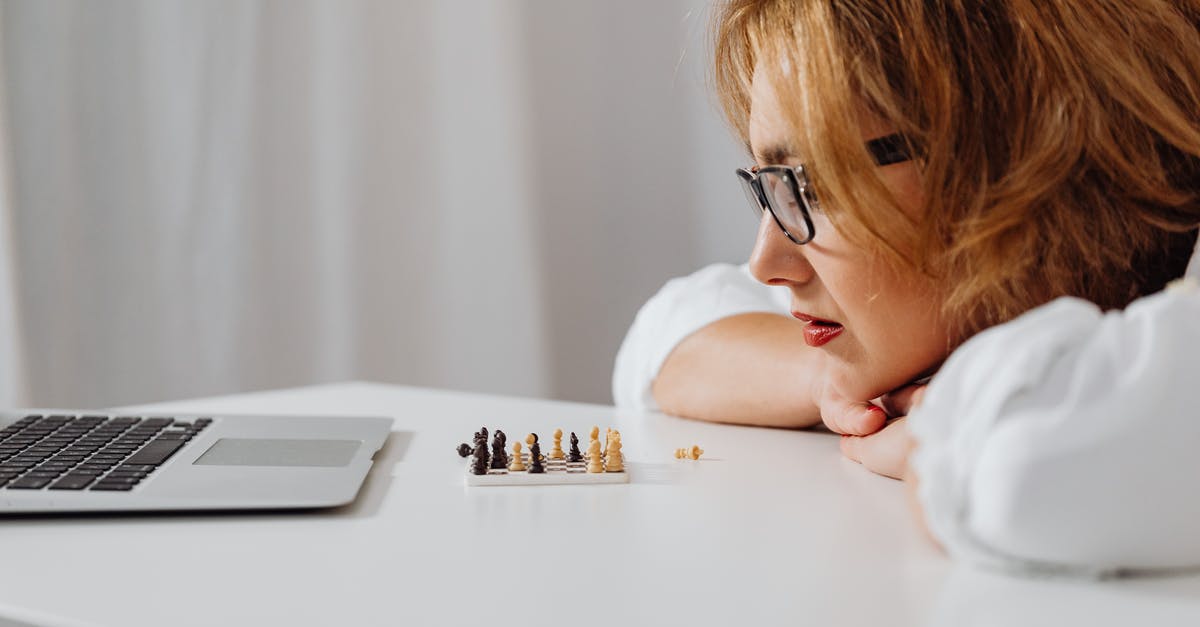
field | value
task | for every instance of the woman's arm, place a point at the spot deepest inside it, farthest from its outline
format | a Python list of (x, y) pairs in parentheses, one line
[(681, 309), (718, 345), (748, 369), (1065, 440)]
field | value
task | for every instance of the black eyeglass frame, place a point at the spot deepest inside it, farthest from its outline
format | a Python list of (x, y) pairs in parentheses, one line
[(884, 150)]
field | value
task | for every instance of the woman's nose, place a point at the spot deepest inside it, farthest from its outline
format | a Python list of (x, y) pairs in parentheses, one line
[(777, 260)]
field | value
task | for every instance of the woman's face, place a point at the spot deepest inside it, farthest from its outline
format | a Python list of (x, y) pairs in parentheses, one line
[(879, 325)]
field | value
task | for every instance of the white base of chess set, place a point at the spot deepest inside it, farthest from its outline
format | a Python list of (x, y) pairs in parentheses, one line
[(558, 472)]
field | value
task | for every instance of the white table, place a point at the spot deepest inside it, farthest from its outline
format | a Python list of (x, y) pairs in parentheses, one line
[(769, 527)]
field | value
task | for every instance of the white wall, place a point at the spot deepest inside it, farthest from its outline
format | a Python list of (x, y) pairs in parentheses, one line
[(223, 196)]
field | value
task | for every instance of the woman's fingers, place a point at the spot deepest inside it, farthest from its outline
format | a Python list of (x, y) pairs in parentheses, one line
[(885, 452), (853, 418)]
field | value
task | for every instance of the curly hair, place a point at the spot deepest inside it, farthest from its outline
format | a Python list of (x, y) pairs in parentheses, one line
[(1058, 140)]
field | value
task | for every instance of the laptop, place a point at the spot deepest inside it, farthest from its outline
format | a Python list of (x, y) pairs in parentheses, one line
[(55, 461)]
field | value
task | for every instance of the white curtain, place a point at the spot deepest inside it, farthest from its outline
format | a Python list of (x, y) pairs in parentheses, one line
[(12, 361), (211, 197)]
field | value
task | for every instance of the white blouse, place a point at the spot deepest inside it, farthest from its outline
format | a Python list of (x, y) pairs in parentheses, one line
[(1065, 441)]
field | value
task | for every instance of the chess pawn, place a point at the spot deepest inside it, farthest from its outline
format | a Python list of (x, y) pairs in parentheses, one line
[(689, 453), (614, 461), (594, 463), (517, 464), (557, 452)]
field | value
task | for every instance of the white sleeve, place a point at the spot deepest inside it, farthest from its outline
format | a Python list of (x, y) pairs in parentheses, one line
[(682, 307), (1066, 441)]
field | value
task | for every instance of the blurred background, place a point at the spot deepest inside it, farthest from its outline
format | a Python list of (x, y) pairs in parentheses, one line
[(209, 197)]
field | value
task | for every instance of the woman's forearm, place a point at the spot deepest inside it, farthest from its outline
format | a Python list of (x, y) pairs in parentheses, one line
[(747, 369)]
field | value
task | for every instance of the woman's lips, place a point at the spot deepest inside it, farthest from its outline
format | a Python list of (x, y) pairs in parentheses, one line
[(818, 332)]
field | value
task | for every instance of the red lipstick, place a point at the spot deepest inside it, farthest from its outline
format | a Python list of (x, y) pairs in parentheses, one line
[(818, 332)]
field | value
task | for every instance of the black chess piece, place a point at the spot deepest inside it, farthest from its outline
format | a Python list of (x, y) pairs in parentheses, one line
[(535, 457), (480, 463), (464, 450), (574, 455), (499, 455)]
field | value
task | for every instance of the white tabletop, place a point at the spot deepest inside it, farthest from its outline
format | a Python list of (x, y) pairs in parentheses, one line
[(768, 527)]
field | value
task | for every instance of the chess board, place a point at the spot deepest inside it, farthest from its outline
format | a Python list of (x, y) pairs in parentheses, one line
[(558, 472)]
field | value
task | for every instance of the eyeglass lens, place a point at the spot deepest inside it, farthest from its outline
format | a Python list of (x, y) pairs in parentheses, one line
[(780, 188)]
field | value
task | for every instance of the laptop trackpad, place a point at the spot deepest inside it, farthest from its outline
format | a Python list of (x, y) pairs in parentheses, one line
[(272, 452)]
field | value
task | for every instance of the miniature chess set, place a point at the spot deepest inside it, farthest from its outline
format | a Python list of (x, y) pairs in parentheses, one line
[(531, 467)]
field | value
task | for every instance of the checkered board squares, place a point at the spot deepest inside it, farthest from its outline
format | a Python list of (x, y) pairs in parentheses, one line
[(558, 472)]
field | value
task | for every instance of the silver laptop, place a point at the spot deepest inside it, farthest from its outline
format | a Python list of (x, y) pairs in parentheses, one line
[(71, 461)]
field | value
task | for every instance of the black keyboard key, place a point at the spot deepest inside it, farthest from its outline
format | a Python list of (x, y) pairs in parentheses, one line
[(156, 452), (73, 482), (115, 478), (110, 478), (122, 487), (136, 468), (29, 483)]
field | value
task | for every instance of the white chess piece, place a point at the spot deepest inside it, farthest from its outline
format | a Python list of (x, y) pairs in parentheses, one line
[(557, 451), (614, 461), (517, 463), (594, 463)]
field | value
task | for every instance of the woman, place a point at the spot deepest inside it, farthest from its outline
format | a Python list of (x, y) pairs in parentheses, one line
[(926, 171)]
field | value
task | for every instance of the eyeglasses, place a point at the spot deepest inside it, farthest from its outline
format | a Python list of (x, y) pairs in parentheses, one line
[(787, 193)]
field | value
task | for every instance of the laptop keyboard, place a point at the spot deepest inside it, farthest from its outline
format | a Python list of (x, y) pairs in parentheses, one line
[(89, 452)]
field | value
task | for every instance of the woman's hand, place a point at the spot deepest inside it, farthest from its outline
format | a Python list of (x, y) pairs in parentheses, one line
[(842, 415), (886, 452)]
